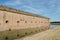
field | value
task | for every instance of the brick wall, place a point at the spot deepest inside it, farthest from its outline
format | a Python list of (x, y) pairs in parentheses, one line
[(9, 20)]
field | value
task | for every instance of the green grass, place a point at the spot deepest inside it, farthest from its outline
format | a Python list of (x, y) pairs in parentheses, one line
[(14, 34)]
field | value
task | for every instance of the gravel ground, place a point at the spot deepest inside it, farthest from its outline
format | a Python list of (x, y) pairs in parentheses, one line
[(51, 34)]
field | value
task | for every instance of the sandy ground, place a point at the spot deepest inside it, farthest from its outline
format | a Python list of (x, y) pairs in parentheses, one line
[(51, 34)]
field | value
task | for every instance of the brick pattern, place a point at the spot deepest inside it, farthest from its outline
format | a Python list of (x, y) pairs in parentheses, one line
[(19, 21)]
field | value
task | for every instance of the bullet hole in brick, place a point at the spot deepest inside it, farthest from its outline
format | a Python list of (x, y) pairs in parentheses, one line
[(25, 21), (17, 21), (6, 21)]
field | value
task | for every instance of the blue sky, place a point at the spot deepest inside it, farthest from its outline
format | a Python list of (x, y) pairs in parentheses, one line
[(48, 8)]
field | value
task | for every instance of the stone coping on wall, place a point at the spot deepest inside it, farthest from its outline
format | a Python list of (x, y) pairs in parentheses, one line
[(5, 8)]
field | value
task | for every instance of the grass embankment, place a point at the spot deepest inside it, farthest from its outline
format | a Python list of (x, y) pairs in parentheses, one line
[(51, 34), (14, 34)]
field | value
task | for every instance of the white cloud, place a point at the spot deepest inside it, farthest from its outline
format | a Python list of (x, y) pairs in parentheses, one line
[(34, 10), (13, 3), (31, 8)]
